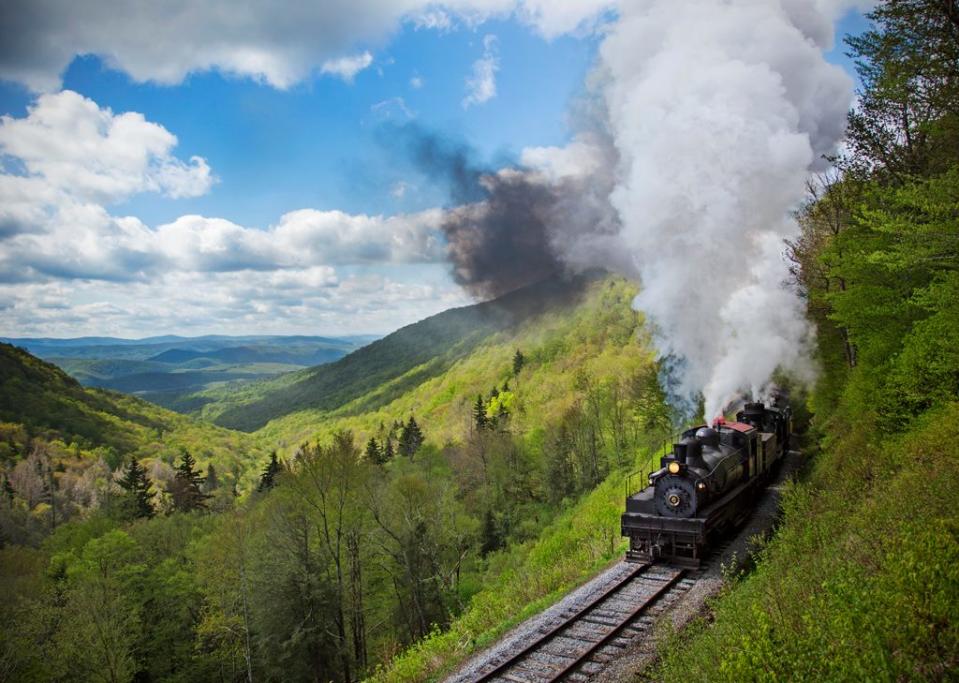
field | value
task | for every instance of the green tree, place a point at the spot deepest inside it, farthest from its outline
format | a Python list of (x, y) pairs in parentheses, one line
[(411, 438), (907, 119), (373, 452), (139, 490), (519, 360), (388, 451), (492, 538), (7, 491), (268, 476), (479, 414), (186, 489), (212, 482)]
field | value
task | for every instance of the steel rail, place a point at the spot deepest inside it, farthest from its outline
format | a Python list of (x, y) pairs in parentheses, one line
[(602, 642), (548, 635)]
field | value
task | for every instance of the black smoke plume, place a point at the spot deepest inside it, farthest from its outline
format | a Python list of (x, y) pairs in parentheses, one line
[(504, 226)]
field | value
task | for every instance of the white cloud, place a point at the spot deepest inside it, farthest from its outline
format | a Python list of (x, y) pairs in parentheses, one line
[(416, 82), (69, 266), (92, 154), (578, 158), (432, 19), (279, 43), (481, 85), (296, 301), (347, 67)]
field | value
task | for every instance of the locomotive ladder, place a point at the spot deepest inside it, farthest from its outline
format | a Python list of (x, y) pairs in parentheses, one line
[(523, 666)]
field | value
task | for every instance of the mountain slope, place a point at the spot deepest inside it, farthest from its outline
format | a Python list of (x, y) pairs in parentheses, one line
[(405, 359), (169, 370), (41, 404)]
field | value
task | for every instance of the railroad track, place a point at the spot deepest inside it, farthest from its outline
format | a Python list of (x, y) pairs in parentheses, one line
[(583, 641)]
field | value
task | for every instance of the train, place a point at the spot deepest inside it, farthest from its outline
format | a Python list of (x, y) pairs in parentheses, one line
[(706, 485)]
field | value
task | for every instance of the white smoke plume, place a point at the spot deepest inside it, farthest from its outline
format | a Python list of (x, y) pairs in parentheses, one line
[(718, 111), (702, 123)]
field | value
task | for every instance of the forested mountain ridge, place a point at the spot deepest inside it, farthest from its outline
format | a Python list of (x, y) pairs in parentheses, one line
[(409, 356), (48, 420)]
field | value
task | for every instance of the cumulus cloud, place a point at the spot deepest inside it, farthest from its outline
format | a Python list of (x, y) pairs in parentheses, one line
[(92, 154), (347, 67), (68, 265), (294, 301), (74, 157), (481, 85), (279, 43)]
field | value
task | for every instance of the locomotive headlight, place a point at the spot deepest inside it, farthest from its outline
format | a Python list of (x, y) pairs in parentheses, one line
[(701, 486), (673, 468)]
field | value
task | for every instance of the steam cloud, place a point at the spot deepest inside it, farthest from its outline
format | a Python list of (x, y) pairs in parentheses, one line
[(707, 118), (718, 112)]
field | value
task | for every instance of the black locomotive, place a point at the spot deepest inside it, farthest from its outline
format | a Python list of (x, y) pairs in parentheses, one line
[(706, 485)]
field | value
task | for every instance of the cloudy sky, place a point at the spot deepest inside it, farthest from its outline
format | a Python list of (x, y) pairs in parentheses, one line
[(232, 168)]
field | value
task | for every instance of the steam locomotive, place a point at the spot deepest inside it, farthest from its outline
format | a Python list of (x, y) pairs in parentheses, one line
[(706, 485)]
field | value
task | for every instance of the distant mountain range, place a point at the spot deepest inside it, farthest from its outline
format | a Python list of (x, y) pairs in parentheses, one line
[(168, 369)]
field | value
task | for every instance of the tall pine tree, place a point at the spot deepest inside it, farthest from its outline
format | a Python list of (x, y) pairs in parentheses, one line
[(519, 360), (139, 490), (479, 414), (268, 477), (187, 486), (373, 452), (411, 438)]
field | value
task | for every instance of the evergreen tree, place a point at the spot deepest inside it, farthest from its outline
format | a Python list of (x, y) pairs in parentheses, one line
[(388, 452), (139, 490), (8, 491), (212, 481), (187, 486), (268, 477), (492, 539), (519, 360), (373, 452), (411, 438), (505, 387), (494, 393), (479, 414)]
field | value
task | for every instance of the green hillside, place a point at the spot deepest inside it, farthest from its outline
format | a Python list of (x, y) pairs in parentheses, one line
[(402, 360), (569, 351), (539, 400), (46, 415)]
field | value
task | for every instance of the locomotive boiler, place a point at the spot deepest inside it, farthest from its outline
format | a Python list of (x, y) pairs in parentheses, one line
[(705, 485)]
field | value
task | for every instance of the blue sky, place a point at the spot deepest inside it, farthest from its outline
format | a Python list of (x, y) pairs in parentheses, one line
[(274, 141), (316, 144)]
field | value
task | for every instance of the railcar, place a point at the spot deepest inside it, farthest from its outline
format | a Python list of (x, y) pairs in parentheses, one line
[(706, 485)]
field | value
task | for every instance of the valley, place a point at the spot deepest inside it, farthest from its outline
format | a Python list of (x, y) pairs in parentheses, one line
[(170, 371)]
